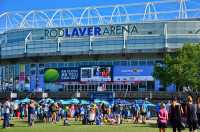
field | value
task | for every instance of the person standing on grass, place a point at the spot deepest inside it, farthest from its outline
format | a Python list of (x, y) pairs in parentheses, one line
[(144, 109), (198, 110), (82, 112), (6, 112), (135, 112), (15, 105), (190, 111), (175, 112), (72, 111), (162, 118), (31, 112)]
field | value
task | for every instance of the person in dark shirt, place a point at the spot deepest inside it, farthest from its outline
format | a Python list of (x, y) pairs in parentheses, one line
[(192, 119), (183, 105), (116, 109)]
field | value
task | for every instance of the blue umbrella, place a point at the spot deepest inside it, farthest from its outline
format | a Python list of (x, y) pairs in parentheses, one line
[(0, 103), (25, 100), (84, 102), (66, 102), (17, 101), (60, 101), (123, 101), (72, 101), (97, 101)]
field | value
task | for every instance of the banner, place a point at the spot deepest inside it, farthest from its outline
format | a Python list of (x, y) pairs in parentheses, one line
[(61, 75), (22, 77), (41, 76), (132, 73), (33, 78)]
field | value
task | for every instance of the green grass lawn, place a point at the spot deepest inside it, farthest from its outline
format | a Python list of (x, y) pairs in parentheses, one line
[(76, 126)]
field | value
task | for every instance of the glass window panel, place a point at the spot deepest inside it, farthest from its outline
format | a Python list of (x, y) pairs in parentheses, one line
[(108, 62), (36, 65), (150, 62), (84, 63), (91, 63), (71, 64), (53, 65), (102, 63), (142, 63), (27, 69), (17, 70), (77, 64), (61, 65), (116, 63), (47, 65), (134, 63), (123, 63)]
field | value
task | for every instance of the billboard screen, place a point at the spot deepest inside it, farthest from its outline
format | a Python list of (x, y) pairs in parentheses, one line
[(53, 75), (96, 73), (132, 73)]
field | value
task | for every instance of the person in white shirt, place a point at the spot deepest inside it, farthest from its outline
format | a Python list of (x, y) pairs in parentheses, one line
[(6, 112), (15, 105), (91, 117)]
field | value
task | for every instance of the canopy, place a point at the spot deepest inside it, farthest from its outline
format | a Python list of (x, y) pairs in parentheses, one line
[(140, 101), (97, 101), (123, 101), (17, 101), (58, 101), (72, 101), (47, 100), (84, 102), (25, 100)]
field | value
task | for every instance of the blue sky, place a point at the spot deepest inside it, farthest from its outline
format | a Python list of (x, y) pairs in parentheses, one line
[(29, 5), (24, 5)]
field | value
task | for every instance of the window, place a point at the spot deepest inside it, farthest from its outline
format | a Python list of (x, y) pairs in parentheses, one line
[(102, 63), (142, 63), (109, 63), (150, 62), (134, 63), (53, 65), (27, 69), (123, 63), (150, 86), (71, 64), (77, 64), (47, 65), (61, 65), (116, 63)]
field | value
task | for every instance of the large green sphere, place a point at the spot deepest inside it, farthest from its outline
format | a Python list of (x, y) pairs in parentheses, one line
[(51, 76)]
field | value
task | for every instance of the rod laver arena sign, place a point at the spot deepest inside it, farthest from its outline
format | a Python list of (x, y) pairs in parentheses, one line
[(90, 31)]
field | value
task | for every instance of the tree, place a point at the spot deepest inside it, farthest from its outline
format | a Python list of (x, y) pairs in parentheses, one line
[(181, 70)]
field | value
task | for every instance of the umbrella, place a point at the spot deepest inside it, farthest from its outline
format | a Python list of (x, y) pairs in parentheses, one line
[(17, 101), (72, 101), (47, 100), (66, 102), (123, 101), (97, 101), (0, 103), (60, 101), (25, 100), (84, 102)]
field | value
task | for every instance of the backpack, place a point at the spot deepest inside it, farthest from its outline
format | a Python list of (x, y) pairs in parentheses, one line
[(66, 122), (143, 109), (84, 121)]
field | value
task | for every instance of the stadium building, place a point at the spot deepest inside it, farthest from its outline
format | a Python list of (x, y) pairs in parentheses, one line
[(80, 49)]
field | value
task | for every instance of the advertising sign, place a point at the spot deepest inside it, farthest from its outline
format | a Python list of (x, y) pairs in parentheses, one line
[(41, 76), (32, 78), (61, 75), (132, 73), (22, 77), (96, 73)]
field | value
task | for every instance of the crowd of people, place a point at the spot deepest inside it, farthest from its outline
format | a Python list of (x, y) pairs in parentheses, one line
[(176, 114), (179, 115), (54, 112)]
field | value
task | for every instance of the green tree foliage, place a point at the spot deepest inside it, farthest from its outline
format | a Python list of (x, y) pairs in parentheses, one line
[(181, 70)]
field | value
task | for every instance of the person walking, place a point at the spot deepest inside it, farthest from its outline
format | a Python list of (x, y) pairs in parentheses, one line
[(175, 112), (198, 110), (144, 109), (192, 119), (21, 109), (116, 109), (162, 118), (31, 112), (16, 107), (6, 112)]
